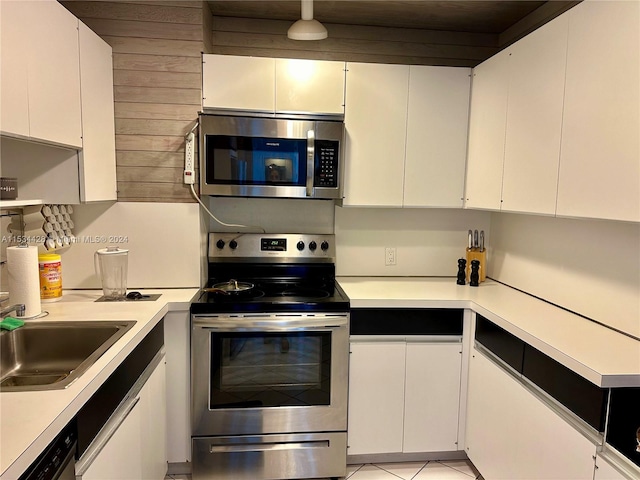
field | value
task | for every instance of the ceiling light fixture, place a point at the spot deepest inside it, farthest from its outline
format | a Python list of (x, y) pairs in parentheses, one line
[(307, 28)]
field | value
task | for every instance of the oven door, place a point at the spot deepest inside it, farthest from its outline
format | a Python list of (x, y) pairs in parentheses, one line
[(269, 373)]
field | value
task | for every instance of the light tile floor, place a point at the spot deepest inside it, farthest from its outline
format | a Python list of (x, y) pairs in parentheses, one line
[(434, 470)]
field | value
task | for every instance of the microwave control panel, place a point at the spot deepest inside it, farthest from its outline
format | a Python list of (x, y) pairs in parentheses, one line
[(326, 163)]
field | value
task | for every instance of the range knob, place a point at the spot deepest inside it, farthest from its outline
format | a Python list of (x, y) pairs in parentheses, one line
[(312, 245), (324, 246), (220, 244), (233, 244), (300, 245)]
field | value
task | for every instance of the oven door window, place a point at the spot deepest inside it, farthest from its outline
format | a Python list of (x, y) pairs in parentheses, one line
[(236, 160), (255, 370)]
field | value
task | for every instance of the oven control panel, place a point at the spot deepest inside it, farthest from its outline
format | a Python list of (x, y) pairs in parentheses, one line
[(270, 247)]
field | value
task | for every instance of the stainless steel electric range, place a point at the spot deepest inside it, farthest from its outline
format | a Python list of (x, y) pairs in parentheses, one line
[(269, 360)]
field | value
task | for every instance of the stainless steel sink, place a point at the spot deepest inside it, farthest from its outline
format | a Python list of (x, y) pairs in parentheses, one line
[(49, 355)]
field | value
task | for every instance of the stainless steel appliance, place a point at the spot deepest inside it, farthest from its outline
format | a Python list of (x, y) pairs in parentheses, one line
[(57, 462), (269, 360), (270, 157)]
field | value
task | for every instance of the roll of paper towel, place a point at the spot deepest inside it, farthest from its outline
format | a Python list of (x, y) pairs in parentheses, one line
[(24, 279)]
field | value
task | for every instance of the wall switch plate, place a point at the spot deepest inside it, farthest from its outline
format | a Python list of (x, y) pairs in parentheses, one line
[(390, 256)]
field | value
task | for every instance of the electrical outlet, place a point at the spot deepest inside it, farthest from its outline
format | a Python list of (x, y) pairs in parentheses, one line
[(390, 256)]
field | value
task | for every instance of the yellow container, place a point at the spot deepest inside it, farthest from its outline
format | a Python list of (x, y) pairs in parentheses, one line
[(50, 268)]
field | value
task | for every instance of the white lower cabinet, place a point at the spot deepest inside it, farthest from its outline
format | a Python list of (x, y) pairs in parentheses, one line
[(120, 457), (376, 397), (511, 434), (177, 338), (605, 471), (432, 393), (403, 396), (132, 446)]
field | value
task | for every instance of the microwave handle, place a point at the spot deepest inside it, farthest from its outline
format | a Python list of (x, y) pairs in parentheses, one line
[(311, 153)]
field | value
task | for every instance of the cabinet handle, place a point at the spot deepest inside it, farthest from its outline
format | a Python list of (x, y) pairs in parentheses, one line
[(267, 446), (105, 435)]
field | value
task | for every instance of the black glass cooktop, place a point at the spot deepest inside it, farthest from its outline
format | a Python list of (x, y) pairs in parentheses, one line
[(271, 288)]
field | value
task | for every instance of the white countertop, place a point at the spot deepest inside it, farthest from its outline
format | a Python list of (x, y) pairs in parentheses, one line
[(30, 420), (602, 355)]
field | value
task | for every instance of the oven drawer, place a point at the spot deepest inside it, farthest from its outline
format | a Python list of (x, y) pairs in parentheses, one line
[(269, 457)]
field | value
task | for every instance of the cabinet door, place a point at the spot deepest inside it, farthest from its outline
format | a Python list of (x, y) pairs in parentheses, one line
[(534, 119), (487, 128), (512, 434), (238, 83), (177, 336), (120, 457), (309, 86), (604, 471), (14, 119), (436, 136), (376, 397), (54, 74), (432, 396), (98, 155), (153, 428), (375, 123), (599, 165)]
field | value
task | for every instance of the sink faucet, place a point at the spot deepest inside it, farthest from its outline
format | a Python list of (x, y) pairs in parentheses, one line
[(19, 308)]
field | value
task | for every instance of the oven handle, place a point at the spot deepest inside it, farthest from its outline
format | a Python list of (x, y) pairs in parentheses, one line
[(267, 447), (267, 328), (269, 325)]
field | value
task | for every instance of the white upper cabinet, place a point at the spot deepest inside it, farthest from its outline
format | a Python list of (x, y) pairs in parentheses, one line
[(487, 128), (238, 83), (554, 122), (516, 117), (376, 126), (406, 129), (534, 119), (309, 86), (98, 155), (14, 93), (436, 148), (600, 161), (57, 89), (54, 74), (41, 64), (260, 84)]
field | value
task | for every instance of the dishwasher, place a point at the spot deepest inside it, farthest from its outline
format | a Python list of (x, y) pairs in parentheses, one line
[(57, 462)]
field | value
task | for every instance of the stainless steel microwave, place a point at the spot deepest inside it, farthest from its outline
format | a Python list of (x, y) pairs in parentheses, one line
[(270, 157)]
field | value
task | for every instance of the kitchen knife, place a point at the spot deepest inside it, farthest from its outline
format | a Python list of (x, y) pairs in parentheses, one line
[(475, 239), (482, 257), (470, 254)]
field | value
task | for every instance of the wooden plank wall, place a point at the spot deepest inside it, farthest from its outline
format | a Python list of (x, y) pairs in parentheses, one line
[(157, 70), (354, 43)]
